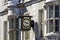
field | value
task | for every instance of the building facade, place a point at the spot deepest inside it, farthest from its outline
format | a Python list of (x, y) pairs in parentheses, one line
[(45, 14), (52, 20)]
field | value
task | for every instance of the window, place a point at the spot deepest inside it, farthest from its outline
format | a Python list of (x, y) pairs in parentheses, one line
[(53, 10), (57, 11), (51, 26), (50, 11), (52, 15), (13, 29), (11, 35), (14, 35), (56, 25), (17, 35), (11, 23), (17, 23)]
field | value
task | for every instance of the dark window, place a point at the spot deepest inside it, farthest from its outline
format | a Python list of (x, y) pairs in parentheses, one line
[(17, 23), (57, 11), (56, 25), (17, 35)]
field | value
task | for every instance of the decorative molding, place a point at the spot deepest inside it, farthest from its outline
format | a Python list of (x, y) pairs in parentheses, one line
[(3, 12)]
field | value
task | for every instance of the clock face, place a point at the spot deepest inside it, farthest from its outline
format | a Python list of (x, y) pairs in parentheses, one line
[(26, 23)]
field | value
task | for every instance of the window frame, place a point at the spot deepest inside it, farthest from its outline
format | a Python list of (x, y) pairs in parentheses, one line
[(52, 18), (13, 24)]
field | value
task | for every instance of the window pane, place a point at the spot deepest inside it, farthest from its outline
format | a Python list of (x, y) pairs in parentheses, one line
[(56, 28), (50, 11), (50, 22), (17, 35), (56, 25), (57, 7), (47, 27), (57, 11), (56, 22), (56, 14), (17, 24), (11, 35), (11, 23), (51, 26)]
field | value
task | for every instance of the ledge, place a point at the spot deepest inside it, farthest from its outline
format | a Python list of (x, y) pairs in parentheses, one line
[(52, 34)]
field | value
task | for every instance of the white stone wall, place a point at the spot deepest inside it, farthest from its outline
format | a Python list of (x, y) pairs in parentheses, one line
[(33, 10), (1, 5), (2, 19)]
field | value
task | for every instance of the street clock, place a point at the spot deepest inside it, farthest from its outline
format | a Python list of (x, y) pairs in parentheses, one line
[(25, 22)]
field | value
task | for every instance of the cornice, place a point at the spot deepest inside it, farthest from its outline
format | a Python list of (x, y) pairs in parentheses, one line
[(3, 12)]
